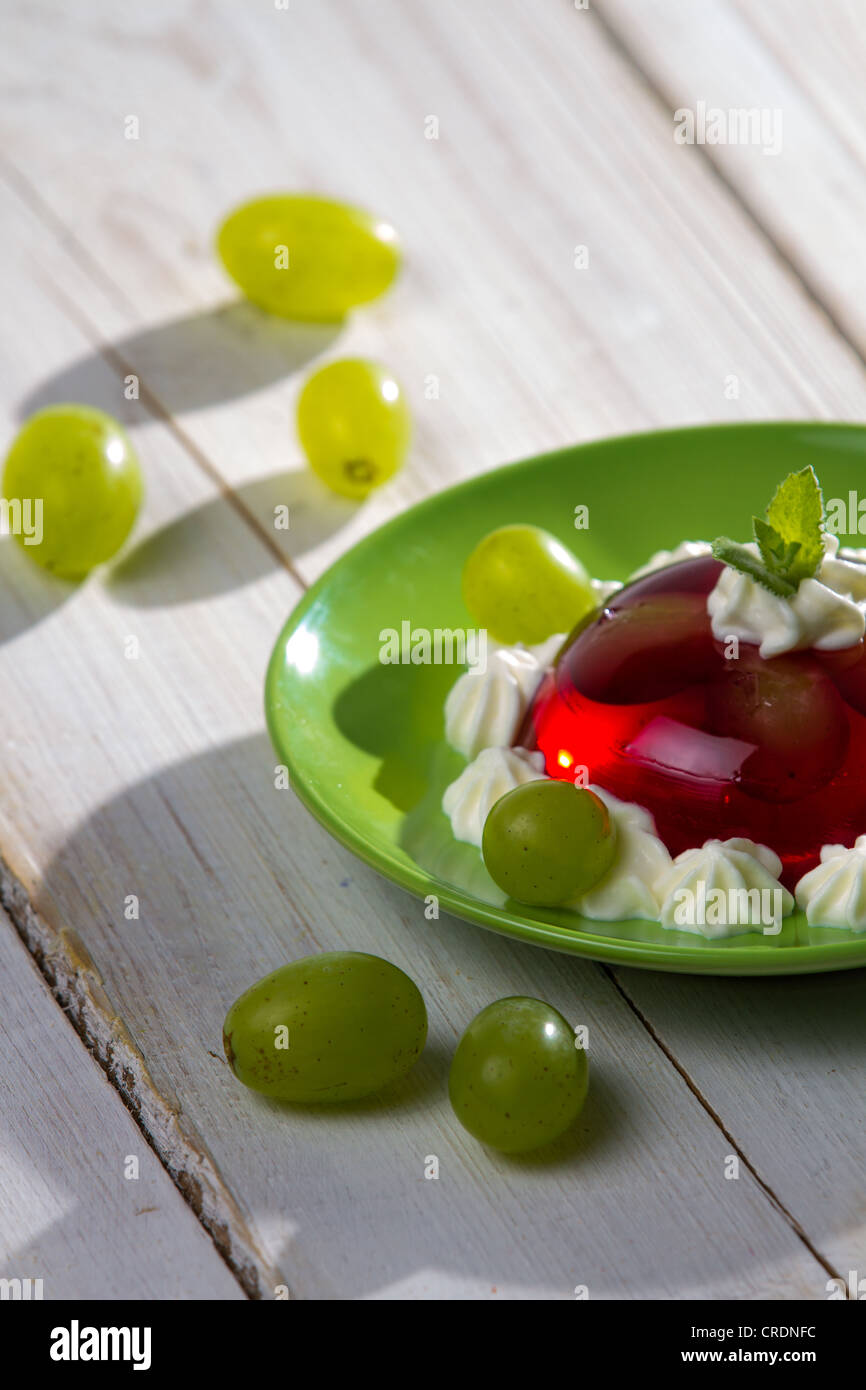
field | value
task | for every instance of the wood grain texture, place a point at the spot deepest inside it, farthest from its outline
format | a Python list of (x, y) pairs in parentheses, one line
[(802, 65), (781, 1062), (154, 776), (73, 1215)]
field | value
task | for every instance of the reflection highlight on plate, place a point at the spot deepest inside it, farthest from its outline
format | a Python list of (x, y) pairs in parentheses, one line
[(302, 650)]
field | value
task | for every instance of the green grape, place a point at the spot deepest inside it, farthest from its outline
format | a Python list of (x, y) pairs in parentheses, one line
[(547, 841), (82, 467), (326, 1028), (517, 1079), (522, 585), (354, 425), (308, 258)]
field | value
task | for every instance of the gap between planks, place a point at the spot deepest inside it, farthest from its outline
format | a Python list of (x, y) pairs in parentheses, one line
[(66, 973), (774, 1200)]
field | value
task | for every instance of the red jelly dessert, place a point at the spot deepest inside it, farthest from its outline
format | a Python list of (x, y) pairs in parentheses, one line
[(715, 744)]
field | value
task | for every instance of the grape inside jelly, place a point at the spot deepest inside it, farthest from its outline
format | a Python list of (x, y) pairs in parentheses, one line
[(714, 745)]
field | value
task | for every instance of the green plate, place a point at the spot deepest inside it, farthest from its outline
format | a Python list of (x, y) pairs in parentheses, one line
[(364, 741)]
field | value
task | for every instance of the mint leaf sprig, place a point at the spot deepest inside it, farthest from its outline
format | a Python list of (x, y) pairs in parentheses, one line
[(790, 538), (739, 558)]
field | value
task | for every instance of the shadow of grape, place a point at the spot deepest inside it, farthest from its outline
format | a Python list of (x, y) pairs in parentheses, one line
[(28, 593), (166, 567), (198, 360)]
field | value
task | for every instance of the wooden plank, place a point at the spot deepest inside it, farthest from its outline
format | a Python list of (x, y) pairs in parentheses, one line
[(681, 296), (781, 1061), (82, 720), (824, 52), (157, 781), (802, 65), (87, 1208)]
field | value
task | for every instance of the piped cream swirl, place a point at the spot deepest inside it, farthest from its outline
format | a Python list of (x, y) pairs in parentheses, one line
[(724, 888), (485, 708), (827, 612), (468, 802), (627, 889), (833, 894)]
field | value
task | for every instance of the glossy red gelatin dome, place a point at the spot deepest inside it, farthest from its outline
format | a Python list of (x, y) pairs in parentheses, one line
[(713, 745)]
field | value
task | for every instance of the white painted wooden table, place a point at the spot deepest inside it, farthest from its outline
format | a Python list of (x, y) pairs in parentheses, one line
[(722, 282)]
